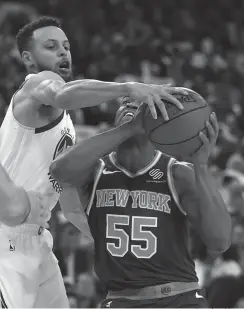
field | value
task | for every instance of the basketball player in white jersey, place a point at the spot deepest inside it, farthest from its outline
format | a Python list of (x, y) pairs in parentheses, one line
[(35, 131)]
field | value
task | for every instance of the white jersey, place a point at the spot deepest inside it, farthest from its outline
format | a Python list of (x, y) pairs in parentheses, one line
[(26, 153)]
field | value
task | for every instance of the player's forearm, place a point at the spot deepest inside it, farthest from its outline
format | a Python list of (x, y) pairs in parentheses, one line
[(75, 161), (86, 93), (214, 218), (73, 210), (77, 218)]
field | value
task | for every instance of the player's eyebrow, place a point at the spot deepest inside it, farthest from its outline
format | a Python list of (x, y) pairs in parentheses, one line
[(53, 40)]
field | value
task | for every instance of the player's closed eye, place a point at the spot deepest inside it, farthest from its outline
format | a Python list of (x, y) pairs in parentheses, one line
[(50, 47), (131, 105)]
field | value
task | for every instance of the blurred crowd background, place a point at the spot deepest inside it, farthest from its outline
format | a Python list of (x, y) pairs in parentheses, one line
[(196, 44)]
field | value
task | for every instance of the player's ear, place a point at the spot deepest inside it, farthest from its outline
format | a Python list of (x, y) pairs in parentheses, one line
[(26, 57), (28, 60)]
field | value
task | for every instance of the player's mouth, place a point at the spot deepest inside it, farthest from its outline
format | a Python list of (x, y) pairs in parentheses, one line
[(64, 67), (127, 115), (126, 112)]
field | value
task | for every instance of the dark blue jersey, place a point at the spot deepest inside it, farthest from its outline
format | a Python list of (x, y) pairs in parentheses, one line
[(140, 231)]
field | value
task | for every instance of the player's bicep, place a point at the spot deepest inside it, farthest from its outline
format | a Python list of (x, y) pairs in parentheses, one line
[(72, 200), (79, 195), (184, 180), (73, 206), (43, 87)]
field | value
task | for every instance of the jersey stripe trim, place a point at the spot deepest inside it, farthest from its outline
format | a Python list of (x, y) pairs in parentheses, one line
[(97, 178), (50, 125), (172, 185), (3, 303), (112, 157)]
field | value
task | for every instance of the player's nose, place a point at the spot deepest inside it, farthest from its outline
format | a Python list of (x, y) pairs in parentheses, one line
[(62, 51)]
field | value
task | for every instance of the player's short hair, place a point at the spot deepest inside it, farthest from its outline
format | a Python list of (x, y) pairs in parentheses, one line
[(24, 36)]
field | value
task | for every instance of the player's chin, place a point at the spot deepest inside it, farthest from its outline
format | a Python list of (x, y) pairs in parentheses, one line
[(66, 74)]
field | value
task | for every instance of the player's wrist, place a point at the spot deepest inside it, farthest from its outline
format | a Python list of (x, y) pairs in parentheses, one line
[(125, 89)]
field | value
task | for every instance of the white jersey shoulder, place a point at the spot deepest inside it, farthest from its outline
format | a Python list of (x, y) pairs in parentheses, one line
[(26, 153)]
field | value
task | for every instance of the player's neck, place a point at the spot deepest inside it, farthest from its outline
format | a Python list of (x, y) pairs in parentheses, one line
[(134, 155)]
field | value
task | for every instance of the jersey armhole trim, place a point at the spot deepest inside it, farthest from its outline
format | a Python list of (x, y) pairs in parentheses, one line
[(50, 125), (97, 178), (42, 129), (172, 185)]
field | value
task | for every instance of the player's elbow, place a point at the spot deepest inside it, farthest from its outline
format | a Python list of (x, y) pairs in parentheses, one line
[(64, 97), (218, 235), (16, 209), (61, 99), (55, 170), (218, 244), (58, 171)]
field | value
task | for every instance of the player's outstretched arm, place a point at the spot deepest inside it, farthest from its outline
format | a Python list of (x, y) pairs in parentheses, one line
[(48, 88), (76, 165), (15, 205)]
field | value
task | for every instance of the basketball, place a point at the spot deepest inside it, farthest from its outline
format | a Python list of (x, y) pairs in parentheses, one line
[(179, 135)]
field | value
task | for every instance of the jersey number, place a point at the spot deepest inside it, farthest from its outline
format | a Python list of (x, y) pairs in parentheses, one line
[(115, 230)]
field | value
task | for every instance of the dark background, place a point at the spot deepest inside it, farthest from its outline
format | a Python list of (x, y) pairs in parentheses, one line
[(192, 43)]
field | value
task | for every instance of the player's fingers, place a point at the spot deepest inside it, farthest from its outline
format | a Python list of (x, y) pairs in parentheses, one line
[(160, 104), (177, 90), (204, 139), (171, 99), (214, 122), (151, 106), (210, 132)]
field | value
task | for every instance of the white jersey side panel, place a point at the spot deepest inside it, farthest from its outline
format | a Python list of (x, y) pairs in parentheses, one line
[(26, 153)]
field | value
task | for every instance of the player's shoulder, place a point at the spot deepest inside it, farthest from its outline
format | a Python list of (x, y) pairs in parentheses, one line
[(183, 173), (182, 165), (34, 80), (39, 88)]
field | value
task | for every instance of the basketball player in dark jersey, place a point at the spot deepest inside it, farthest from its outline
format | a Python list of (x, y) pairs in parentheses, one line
[(139, 203)]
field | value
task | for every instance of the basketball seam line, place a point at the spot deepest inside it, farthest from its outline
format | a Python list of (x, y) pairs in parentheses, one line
[(170, 121), (186, 140), (192, 110)]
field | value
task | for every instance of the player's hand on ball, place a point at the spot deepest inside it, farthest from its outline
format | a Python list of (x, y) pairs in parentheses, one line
[(208, 142), (154, 95)]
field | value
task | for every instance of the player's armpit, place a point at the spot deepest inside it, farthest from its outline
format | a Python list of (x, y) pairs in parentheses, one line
[(185, 185)]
